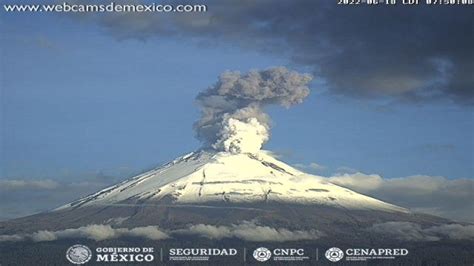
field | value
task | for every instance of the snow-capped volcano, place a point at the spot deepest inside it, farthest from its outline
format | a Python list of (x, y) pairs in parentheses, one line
[(233, 170), (220, 194), (230, 188), (221, 177)]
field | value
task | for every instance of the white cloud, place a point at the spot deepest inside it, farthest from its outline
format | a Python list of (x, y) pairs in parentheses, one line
[(311, 166), (358, 181), (414, 232), (250, 231), (43, 236), (209, 231), (4, 238), (346, 169), (453, 231), (450, 198), (150, 232), (317, 166), (96, 232)]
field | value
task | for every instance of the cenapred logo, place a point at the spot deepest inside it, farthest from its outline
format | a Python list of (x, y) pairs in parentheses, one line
[(262, 254), (78, 254), (334, 254)]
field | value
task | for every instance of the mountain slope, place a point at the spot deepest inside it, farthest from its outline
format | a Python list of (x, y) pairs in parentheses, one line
[(210, 177)]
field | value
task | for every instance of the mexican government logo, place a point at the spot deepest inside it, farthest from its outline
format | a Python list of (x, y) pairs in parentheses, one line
[(78, 254), (262, 254), (334, 254)]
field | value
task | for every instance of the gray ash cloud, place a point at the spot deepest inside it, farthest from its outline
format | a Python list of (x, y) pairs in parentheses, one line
[(232, 118)]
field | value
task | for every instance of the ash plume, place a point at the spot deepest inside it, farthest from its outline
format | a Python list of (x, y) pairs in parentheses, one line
[(232, 117)]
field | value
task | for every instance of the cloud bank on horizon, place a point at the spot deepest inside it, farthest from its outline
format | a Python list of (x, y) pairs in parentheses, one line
[(247, 230), (450, 198), (412, 54), (232, 115)]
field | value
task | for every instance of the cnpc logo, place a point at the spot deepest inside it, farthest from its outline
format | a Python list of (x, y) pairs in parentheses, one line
[(263, 254)]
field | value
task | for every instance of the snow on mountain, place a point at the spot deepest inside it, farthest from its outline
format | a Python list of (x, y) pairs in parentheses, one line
[(221, 177)]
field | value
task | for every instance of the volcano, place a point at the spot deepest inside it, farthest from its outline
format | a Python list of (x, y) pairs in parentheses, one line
[(223, 189), (210, 198), (229, 179)]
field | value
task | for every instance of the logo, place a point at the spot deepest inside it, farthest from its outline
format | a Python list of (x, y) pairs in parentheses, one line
[(364, 254), (334, 254), (125, 254), (78, 254), (200, 254), (262, 254)]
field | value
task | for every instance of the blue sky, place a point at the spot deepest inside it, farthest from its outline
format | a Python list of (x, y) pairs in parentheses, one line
[(74, 99)]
